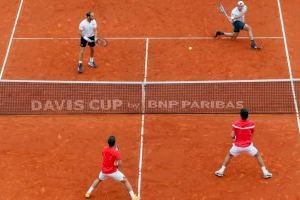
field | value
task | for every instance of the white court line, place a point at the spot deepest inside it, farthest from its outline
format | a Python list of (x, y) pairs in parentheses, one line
[(146, 60), (145, 38), (143, 119), (11, 39), (289, 65)]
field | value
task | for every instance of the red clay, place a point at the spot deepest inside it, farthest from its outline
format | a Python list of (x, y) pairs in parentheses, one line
[(57, 157), (121, 60), (292, 30), (7, 22), (172, 60), (179, 163), (141, 18)]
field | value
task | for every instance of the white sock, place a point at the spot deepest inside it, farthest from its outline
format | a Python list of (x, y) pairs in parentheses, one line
[(264, 170), (90, 190), (222, 168), (91, 59), (131, 194)]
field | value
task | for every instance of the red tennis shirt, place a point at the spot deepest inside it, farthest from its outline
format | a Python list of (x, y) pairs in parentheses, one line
[(110, 155), (243, 130)]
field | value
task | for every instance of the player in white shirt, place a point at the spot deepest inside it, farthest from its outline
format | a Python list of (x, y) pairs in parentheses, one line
[(237, 19), (88, 35)]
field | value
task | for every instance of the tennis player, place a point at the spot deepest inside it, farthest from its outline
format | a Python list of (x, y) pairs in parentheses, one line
[(111, 163), (242, 135), (88, 35), (237, 19)]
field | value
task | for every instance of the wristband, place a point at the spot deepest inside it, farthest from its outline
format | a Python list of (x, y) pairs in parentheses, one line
[(87, 39)]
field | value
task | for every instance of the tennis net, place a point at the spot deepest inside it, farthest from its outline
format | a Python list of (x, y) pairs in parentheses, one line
[(67, 97)]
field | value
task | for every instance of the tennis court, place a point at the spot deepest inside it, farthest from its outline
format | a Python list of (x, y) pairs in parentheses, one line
[(56, 155)]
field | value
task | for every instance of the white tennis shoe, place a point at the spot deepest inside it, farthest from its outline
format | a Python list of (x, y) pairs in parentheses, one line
[(87, 195), (267, 175), (135, 198), (219, 173), (92, 64)]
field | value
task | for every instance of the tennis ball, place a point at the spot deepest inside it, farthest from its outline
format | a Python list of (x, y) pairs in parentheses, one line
[(190, 48)]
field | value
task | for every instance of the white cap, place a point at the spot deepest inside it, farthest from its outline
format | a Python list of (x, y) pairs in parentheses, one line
[(240, 3)]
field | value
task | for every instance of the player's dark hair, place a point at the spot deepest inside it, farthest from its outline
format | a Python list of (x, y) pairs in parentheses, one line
[(244, 113), (88, 14), (111, 141)]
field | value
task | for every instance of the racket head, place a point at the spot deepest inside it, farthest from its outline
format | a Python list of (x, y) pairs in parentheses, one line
[(221, 8), (102, 42)]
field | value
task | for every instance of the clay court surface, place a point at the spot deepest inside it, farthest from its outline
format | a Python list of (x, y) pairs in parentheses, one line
[(58, 156)]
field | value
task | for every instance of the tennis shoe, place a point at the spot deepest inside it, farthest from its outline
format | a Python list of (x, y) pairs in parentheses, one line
[(87, 195), (92, 64), (135, 198), (219, 173), (80, 68), (267, 175), (253, 45), (218, 33)]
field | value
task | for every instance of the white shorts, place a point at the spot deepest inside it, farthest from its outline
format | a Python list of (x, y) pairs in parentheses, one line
[(251, 150), (118, 176)]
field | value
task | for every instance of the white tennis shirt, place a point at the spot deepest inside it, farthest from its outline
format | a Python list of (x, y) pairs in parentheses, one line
[(88, 28), (235, 12)]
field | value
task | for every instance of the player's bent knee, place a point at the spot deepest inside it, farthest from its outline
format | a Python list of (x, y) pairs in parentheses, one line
[(124, 180), (231, 153), (257, 154), (234, 35), (247, 27), (254, 152)]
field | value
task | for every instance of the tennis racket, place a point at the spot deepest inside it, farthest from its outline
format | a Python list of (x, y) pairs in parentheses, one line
[(223, 11), (102, 42)]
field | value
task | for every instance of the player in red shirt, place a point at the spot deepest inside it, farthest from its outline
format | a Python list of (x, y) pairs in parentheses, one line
[(242, 135), (109, 169)]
